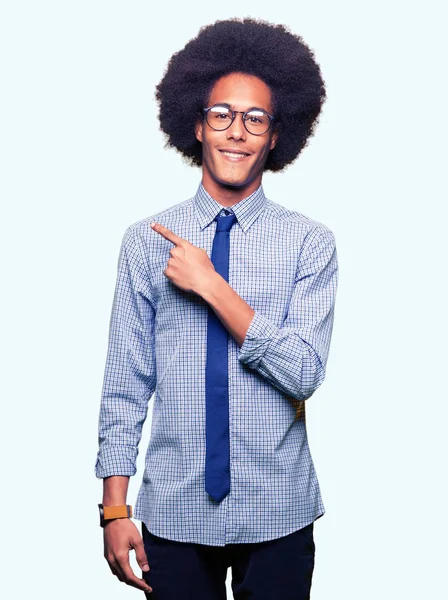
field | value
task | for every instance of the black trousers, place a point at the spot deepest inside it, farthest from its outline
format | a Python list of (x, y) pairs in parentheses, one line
[(279, 569)]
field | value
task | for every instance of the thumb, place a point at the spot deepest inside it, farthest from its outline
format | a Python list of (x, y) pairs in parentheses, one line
[(140, 555)]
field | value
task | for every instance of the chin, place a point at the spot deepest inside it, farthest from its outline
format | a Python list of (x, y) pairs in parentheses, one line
[(235, 182), (231, 184)]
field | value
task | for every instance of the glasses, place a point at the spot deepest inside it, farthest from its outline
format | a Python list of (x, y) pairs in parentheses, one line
[(255, 120)]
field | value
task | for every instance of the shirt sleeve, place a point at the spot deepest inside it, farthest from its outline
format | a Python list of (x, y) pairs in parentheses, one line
[(293, 357), (130, 372)]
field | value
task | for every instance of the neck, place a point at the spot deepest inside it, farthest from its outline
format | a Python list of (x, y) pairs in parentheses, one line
[(228, 195)]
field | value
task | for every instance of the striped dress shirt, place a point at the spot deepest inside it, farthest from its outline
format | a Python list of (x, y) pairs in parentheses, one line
[(284, 265)]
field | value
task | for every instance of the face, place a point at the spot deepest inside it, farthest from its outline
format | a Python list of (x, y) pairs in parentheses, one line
[(235, 176)]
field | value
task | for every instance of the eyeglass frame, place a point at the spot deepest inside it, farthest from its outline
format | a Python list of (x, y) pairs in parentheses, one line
[(234, 113)]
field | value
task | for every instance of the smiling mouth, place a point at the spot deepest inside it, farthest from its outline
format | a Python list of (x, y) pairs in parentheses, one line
[(234, 155)]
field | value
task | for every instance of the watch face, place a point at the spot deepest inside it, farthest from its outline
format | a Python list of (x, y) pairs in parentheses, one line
[(100, 506)]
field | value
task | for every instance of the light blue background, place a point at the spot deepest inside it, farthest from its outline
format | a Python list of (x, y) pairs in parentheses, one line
[(82, 158)]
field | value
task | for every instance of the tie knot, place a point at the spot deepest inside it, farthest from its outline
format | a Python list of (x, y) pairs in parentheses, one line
[(225, 222)]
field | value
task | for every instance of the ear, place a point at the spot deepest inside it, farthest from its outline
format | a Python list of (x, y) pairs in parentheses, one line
[(273, 140), (198, 129)]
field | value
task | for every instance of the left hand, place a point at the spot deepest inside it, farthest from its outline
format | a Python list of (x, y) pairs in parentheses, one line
[(189, 266)]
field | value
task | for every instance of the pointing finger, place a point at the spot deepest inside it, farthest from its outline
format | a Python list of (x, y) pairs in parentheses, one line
[(167, 233)]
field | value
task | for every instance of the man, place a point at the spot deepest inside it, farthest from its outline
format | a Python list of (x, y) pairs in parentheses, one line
[(223, 309)]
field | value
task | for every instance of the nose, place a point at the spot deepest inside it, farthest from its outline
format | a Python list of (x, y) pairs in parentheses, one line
[(237, 131)]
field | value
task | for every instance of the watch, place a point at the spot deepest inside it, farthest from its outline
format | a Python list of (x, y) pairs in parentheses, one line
[(107, 513)]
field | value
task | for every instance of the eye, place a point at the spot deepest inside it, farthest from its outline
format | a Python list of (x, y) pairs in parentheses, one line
[(257, 117), (220, 113)]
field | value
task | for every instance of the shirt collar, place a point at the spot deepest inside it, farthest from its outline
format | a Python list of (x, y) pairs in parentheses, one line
[(246, 210)]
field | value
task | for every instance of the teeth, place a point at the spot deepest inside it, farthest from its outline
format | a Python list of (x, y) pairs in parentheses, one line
[(233, 154)]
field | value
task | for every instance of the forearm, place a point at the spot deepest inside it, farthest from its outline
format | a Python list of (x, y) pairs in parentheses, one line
[(115, 490), (233, 312), (290, 364)]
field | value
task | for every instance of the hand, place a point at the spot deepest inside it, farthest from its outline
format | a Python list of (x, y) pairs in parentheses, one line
[(189, 266), (120, 536)]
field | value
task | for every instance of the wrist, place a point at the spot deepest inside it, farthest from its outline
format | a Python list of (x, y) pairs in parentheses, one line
[(211, 285)]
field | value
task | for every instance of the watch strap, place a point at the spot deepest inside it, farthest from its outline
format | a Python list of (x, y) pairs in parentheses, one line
[(117, 512)]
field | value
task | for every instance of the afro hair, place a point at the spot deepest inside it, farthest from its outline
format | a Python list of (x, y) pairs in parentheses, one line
[(254, 47)]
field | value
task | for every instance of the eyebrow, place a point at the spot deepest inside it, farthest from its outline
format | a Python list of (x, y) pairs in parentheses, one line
[(229, 106)]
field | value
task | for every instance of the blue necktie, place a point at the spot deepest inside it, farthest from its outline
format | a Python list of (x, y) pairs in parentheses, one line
[(217, 457)]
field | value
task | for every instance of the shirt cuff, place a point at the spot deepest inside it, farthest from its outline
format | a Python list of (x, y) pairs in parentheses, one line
[(116, 460), (259, 335)]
